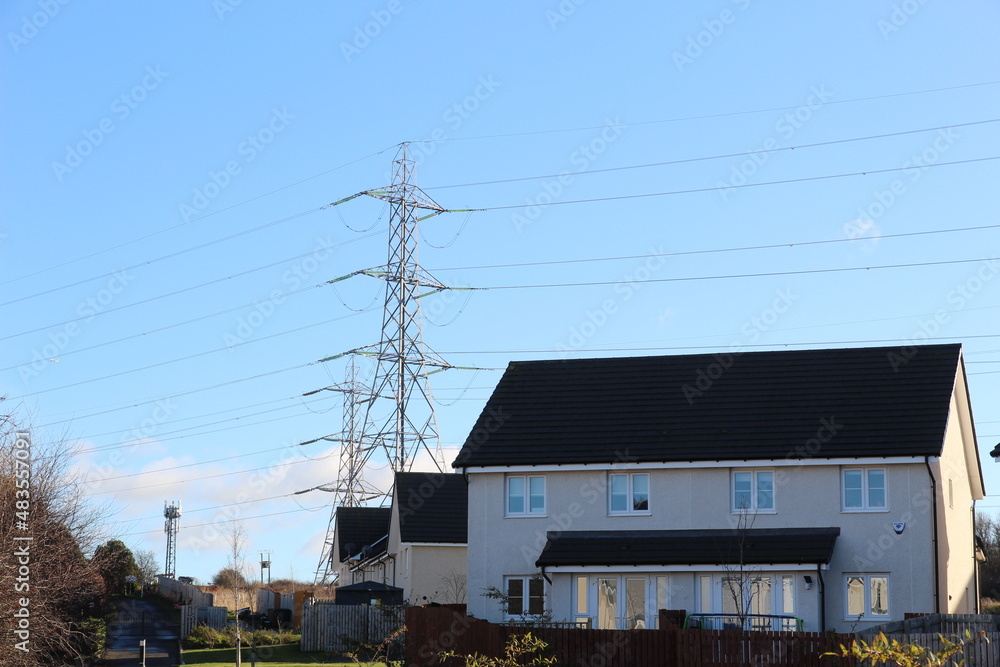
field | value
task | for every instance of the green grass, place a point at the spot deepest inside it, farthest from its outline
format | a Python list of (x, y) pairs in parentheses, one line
[(287, 655)]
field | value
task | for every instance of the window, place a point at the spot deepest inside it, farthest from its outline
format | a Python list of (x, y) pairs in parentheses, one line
[(525, 596), (629, 493), (525, 495), (864, 489), (867, 595), (753, 491)]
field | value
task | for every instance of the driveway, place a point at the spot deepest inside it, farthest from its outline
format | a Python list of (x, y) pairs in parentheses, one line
[(137, 620)]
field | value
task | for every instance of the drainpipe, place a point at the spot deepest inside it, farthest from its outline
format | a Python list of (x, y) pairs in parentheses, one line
[(975, 561), (822, 598), (934, 534)]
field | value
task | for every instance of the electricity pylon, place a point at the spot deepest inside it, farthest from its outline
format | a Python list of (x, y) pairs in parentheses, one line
[(350, 488), (403, 360)]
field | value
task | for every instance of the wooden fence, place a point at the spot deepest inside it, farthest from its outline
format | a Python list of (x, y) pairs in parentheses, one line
[(331, 627), (192, 616), (429, 631)]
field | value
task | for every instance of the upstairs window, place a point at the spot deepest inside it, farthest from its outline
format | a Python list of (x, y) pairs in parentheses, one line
[(753, 491), (629, 493), (525, 495), (864, 490)]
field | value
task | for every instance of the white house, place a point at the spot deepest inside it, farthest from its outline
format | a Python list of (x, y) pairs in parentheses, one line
[(830, 488), (419, 544)]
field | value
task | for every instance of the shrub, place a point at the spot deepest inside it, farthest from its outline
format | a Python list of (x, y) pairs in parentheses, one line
[(204, 637)]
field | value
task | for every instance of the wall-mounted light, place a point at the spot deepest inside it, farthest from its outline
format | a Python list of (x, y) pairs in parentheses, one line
[(809, 582)]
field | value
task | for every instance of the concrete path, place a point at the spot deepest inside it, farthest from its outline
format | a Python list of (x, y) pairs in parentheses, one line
[(137, 620)]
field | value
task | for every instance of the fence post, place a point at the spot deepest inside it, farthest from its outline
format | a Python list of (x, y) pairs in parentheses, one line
[(142, 653)]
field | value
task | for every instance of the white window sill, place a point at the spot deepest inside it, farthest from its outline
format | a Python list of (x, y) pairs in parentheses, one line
[(862, 510), (752, 512), (526, 516), (642, 513)]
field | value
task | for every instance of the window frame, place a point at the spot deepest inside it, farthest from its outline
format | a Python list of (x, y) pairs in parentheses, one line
[(526, 597), (754, 491), (629, 494), (866, 488), (526, 497), (867, 580)]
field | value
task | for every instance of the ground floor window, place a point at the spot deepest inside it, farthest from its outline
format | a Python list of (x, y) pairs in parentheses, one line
[(620, 602), (866, 595), (753, 600), (525, 596)]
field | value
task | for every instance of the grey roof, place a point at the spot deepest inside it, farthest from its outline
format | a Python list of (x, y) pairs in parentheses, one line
[(433, 507), (831, 403), (757, 546), (359, 527)]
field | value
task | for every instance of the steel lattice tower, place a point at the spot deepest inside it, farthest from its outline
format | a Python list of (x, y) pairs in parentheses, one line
[(171, 525), (403, 360), (350, 488)]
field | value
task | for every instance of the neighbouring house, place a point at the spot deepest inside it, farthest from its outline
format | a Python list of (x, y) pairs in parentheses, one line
[(828, 488), (359, 534), (422, 546)]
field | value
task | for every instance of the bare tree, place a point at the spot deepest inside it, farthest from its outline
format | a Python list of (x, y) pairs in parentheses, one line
[(51, 595), (236, 538), (455, 586), (147, 565), (741, 582)]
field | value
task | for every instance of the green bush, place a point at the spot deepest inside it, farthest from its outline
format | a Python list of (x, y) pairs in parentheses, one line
[(205, 637)]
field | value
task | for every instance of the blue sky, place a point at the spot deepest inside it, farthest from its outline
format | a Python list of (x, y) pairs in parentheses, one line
[(164, 232)]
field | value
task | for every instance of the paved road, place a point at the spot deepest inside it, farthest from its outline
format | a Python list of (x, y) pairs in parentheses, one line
[(136, 620)]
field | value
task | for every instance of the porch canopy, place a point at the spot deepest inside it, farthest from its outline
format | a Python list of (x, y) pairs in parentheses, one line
[(688, 549)]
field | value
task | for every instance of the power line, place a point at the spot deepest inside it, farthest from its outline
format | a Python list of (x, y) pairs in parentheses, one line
[(737, 275), (716, 115), (716, 250), (189, 357), (165, 257), (901, 341), (184, 224), (198, 479), (720, 157), (733, 187), (242, 518)]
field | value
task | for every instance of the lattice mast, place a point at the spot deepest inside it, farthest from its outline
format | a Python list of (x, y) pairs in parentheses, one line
[(171, 525), (404, 360), (350, 488)]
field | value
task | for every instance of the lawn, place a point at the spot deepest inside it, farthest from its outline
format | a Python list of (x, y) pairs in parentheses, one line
[(287, 655)]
